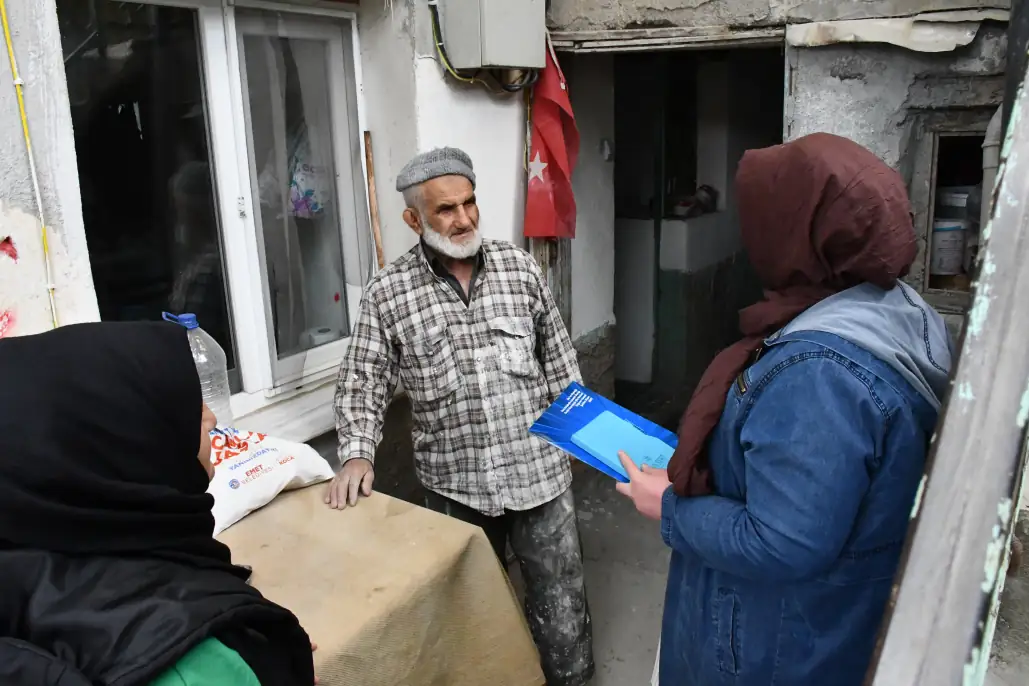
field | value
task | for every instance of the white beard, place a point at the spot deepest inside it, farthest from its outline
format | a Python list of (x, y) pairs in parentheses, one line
[(455, 251)]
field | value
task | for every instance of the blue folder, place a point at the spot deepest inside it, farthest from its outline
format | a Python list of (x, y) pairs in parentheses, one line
[(593, 429)]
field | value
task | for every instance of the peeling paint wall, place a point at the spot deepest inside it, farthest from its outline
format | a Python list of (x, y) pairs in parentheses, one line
[(869, 92), (880, 96), (24, 304), (580, 15)]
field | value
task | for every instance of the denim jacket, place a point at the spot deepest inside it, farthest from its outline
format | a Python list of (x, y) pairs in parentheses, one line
[(782, 576)]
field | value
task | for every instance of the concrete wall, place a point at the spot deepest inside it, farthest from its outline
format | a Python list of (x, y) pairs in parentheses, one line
[(869, 92), (591, 88), (387, 56), (581, 15), (879, 96), (24, 304)]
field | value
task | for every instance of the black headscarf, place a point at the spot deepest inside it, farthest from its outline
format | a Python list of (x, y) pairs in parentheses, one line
[(100, 428), (99, 432)]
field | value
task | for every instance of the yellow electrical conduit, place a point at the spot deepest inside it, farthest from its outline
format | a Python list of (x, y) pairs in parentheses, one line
[(18, 87)]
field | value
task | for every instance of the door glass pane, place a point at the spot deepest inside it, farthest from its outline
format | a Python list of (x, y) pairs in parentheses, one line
[(141, 140), (286, 70)]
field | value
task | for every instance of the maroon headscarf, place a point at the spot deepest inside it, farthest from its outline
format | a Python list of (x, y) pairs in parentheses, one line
[(818, 215)]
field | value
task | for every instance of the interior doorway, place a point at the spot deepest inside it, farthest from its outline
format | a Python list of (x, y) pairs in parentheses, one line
[(682, 122)]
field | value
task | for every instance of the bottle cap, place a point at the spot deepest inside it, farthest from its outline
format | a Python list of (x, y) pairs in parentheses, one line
[(186, 319)]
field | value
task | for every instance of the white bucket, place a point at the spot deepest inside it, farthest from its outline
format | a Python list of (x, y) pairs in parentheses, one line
[(948, 247)]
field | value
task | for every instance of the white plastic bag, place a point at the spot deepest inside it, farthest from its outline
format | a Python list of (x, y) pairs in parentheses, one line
[(251, 468)]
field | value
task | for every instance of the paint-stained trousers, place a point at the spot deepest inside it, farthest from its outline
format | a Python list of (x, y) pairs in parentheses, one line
[(545, 540)]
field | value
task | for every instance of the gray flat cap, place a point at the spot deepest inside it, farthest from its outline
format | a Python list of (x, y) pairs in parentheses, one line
[(433, 164)]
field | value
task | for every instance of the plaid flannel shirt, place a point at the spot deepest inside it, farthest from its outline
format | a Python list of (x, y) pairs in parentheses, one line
[(478, 376)]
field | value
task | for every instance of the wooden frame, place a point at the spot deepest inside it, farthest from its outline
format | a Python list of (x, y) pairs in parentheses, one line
[(939, 625), (926, 131), (667, 38)]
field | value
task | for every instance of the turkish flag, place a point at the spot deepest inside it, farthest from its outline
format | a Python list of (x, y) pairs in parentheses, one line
[(553, 151)]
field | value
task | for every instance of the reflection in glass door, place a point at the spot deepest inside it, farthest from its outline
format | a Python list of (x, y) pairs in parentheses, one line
[(296, 128), (141, 123)]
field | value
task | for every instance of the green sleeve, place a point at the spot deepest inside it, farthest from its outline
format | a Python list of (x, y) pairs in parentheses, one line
[(209, 663)]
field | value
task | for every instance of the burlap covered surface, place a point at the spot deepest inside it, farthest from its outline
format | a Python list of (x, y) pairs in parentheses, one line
[(393, 594)]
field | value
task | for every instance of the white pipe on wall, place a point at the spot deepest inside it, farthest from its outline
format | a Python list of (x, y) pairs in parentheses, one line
[(991, 161)]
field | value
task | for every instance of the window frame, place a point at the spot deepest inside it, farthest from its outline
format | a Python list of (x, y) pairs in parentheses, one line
[(928, 128), (295, 367), (204, 8), (261, 373)]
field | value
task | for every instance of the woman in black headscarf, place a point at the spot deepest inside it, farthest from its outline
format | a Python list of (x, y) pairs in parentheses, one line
[(109, 573)]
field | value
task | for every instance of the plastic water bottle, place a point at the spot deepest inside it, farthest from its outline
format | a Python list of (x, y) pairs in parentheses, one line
[(211, 364)]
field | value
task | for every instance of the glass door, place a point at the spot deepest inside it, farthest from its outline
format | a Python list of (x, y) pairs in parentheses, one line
[(300, 141)]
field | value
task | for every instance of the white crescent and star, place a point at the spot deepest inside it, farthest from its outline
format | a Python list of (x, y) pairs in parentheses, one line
[(536, 168)]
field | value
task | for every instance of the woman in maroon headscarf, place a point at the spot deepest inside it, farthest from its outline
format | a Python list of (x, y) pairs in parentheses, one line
[(787, 500)]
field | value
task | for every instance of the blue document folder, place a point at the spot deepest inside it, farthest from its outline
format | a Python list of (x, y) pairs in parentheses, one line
[(593, 429)]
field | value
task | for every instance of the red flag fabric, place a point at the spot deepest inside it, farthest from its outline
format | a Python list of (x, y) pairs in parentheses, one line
[(553, 151)]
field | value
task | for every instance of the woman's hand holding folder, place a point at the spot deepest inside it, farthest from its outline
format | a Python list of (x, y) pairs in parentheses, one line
[(646, 487)]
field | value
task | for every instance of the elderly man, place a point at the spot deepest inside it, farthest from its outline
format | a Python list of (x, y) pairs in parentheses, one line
[(470, 327)]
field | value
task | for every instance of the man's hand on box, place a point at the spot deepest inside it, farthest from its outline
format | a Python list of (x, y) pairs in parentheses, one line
[(352, 481)]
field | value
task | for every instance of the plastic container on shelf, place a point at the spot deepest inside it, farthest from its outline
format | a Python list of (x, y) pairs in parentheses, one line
[(956, 202), (211, 364), (948, 247)]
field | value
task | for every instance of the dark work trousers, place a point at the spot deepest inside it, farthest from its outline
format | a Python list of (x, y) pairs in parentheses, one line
[(545, 540)]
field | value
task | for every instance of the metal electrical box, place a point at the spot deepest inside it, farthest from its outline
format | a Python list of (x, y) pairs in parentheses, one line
[(488, 34)]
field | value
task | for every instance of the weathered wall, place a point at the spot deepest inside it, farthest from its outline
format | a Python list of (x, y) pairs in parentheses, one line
[(596, 351), (579, 15), (387, 55), (591, 88), (869, 92), (24, 304), (877, 94)]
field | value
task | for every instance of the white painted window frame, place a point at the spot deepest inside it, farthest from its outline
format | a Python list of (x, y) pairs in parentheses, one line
[(266, 379), (326, 357)]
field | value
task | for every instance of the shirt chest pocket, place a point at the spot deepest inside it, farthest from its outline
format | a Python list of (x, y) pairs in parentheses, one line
[(429, 367), (515, 345)]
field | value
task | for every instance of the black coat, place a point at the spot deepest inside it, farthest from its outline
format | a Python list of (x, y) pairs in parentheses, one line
[(122, 621), (108, 569)]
